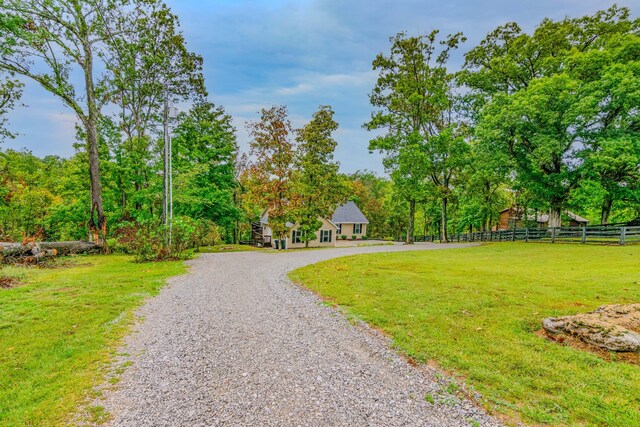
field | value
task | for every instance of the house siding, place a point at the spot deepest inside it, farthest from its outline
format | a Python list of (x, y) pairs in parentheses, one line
[(326, 225), (347, 230)]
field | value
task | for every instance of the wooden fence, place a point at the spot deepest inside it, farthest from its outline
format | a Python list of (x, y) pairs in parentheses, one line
[(621, 235)]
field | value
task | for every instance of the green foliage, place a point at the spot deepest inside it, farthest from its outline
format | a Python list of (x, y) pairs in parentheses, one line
[(369, 192), (553, 99), (148, 240), (10, 93), (205, 150), (318, 184), (343, 237), (424, 142), (475, 312)]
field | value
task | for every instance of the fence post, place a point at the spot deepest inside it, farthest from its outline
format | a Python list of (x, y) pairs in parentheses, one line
[(584, 234), (553, 235), (623, 235), (513, 235), (526, 235)]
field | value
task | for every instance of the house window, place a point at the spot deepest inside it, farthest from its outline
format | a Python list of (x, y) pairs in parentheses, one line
[(295, 236), (357, 228), (338, 229), (325, 236)]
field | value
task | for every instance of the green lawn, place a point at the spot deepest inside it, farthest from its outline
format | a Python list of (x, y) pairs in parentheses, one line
[(228, 248), (61, 326), (475, 311)]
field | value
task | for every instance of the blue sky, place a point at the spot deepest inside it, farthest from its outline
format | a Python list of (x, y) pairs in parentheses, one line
[(303, 54)]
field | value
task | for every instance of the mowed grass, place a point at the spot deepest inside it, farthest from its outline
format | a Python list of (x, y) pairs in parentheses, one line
[(228, 248), (60, 327), (475, 312)]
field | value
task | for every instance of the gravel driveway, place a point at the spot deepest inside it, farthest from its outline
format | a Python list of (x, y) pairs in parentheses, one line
[(234, 342)]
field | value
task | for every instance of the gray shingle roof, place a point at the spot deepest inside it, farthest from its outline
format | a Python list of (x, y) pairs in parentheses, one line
[(349, 214)]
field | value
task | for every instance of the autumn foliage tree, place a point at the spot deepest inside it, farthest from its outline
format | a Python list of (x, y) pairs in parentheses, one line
[(271, 169)]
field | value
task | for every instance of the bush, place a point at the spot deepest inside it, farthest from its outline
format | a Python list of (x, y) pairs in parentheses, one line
[(353, 237), (147, 240), (343, 237), (365, 237)]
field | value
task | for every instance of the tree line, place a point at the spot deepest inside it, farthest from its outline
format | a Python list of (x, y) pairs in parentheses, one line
[(547, 121), (551, 116)]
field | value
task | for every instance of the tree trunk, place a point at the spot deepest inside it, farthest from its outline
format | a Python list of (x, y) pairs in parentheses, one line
[(97, 221), (555, 217), (606, 209), (443, 222), (410, 226)]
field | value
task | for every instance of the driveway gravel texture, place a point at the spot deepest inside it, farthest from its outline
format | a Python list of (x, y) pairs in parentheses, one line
[(235, 343)]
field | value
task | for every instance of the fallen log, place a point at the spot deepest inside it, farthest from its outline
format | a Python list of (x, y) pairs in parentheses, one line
[(71, 247), (42, 249)]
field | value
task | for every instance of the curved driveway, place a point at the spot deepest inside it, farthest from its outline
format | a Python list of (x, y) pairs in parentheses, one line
[(234, 342)]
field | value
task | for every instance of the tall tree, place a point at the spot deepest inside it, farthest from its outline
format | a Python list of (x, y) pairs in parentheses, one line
[(205, 151), (49, 41), (534, 100), (414, 94), (151, 63), (271, 171), (610, 125), (318, 184)]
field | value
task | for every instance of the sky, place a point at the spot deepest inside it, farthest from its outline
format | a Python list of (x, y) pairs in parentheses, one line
[(303, 54)]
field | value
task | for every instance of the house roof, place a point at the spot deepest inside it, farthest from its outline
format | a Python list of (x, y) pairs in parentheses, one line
[(264, 219), (575, 217), (349, 213)]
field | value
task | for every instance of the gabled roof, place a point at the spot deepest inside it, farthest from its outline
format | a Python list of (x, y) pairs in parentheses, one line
[(264, 219), (349, 213), (576, 217)]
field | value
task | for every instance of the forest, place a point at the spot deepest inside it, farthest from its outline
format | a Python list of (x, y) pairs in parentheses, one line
[(547, 120)]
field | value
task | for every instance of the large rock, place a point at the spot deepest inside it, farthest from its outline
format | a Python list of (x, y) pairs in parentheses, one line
[(613, 327)]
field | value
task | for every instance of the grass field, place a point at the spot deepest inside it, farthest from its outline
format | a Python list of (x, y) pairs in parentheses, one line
[(475, 313), (61, 326)]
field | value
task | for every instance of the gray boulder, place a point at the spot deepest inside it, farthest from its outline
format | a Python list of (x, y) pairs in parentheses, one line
[(612, 327)]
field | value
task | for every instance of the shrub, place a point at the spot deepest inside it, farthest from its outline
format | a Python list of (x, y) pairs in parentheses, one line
[(343, 237), (353, 237), (147, 240), (365, 237)]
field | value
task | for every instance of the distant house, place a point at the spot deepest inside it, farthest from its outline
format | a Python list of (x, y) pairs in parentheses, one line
[(513, 217), (350, 219), (325, 236)]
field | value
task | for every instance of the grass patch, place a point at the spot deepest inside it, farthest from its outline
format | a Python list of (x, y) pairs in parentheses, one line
[(475, 312), (228, 248), (61, 326)]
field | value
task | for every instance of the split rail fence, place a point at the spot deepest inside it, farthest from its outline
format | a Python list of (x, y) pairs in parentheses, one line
[(621, 235)]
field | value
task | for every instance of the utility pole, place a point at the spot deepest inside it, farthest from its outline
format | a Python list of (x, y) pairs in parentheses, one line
[(165, 122), (169, 115), (167, 206)]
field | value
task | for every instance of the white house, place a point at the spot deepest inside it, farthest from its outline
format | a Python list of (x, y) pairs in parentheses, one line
[(346, 220)]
